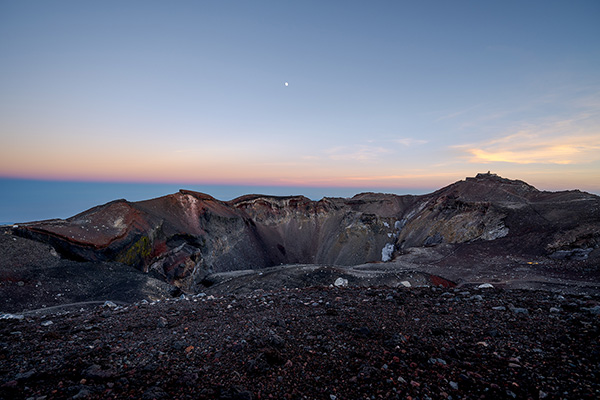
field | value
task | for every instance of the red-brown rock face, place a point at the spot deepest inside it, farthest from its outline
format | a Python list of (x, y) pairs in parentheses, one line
[(186, 235)]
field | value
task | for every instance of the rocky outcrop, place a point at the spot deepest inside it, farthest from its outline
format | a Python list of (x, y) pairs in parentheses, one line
[(185, 236)]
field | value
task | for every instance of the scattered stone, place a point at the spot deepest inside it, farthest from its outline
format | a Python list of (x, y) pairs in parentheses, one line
[(485, 286), (276, 341), (519, 310), (23, 376), (162, 322), (83, 393), (12, 316), (594, 310), (154, 393), (179, 345), (96, 372), (437, 361), (341, 282)]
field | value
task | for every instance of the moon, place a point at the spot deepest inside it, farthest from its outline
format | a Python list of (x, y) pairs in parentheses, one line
[(286, 84)]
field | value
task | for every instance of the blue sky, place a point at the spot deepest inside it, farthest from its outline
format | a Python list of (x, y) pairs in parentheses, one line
[(381, 94)]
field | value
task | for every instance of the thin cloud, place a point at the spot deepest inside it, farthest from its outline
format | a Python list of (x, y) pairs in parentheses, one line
[(457, 113), (408, 142), (553, 144), (398, 177), (359, 153)]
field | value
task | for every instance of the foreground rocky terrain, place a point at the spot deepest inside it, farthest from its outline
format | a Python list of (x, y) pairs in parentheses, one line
[(312, 343), (33, 275)]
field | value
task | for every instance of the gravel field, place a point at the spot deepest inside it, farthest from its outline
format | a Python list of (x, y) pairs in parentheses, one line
[(314, 343)]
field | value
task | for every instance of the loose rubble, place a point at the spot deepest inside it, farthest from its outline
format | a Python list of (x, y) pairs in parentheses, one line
[(315, 343)]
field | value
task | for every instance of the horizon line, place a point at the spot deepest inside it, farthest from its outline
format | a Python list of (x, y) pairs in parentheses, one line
[(381, 188), (210, 183)]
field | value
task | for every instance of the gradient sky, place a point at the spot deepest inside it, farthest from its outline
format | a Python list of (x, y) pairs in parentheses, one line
[(387, 94)]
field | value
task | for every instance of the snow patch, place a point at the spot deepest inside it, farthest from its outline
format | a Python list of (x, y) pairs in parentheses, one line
[(386, 252), (398, 225)]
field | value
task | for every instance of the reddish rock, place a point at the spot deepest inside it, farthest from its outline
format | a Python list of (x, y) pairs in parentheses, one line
[(186, 236)]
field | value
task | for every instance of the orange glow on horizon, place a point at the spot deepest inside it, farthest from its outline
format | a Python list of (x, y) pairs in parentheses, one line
[(106, 162), (154, 167), (424, 182)]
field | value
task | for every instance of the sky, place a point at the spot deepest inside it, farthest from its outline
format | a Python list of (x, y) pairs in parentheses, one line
[(380, 94)]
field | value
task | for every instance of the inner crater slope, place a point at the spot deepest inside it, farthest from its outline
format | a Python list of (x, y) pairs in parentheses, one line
[(184, 237)]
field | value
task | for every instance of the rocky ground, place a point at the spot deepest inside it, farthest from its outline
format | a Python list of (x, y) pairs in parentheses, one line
[(32, 276), (312, 343)]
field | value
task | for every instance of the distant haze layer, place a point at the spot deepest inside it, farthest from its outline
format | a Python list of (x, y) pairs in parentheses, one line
[(33, 200), (24, 200)]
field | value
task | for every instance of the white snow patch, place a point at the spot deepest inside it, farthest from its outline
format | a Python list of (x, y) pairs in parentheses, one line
[(485, 286), (405, 283), (386, 252), (386, 224)]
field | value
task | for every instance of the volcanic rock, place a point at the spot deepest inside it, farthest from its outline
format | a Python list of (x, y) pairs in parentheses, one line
[(480, 228), (277, 344)]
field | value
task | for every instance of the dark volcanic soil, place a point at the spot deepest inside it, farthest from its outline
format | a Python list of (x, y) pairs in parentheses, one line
[(313, 343), (33, 276)]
